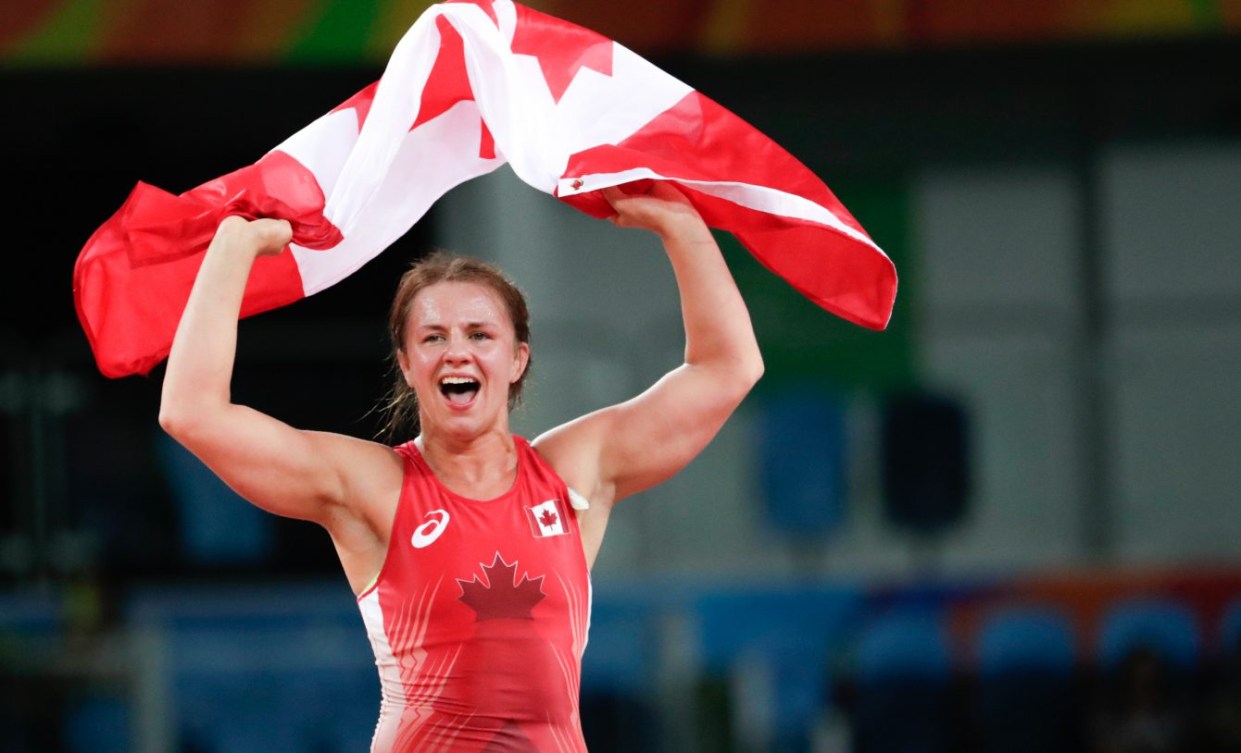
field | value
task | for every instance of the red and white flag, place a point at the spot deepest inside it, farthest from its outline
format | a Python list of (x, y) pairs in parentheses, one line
[(472, 85)]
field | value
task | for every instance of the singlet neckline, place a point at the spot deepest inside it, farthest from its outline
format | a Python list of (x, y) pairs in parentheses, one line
[(518, 442)]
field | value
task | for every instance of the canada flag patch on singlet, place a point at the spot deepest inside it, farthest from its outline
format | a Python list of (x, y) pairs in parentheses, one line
[(547, 519)]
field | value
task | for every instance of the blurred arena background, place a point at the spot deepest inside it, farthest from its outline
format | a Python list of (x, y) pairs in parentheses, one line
[(1008, 523)]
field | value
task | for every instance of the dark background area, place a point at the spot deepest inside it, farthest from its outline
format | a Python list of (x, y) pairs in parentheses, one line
[(79, 139), (85, 496)]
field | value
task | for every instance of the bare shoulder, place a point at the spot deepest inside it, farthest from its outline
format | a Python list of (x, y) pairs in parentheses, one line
[(371, 472), (572, 449), (360, 520)]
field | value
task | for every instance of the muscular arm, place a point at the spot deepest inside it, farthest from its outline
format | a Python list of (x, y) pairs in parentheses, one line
[(623, 449), (308, 475)]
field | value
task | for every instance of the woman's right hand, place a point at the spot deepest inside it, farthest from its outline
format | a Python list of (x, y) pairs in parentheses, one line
[(264, 236)]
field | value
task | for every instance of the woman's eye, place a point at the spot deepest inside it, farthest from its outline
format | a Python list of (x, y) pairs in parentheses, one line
[(433, 338), (479, 336)]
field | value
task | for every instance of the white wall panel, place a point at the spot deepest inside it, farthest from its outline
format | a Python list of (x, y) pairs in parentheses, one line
[(1172, 216), (998, 305), (997, 236), (1178, 440), (1172, 221)]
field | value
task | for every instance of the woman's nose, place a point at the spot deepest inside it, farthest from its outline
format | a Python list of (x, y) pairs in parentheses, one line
[(457, 349)]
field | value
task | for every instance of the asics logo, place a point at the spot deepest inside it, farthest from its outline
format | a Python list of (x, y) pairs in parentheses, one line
[(426, 534)]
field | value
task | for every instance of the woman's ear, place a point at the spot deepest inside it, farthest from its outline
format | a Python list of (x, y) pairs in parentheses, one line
[(521, 358)]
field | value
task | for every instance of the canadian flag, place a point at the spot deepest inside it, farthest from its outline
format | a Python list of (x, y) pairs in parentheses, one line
[(473, 85), (547, 519)]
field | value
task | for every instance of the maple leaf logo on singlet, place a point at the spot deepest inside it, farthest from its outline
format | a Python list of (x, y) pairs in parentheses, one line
[(547, 519), (499, 594)]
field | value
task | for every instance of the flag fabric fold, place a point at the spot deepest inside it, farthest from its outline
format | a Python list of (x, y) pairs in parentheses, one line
[(471, 86)]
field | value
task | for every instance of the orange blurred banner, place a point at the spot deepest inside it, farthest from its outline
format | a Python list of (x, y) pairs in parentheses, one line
[(91, 32)]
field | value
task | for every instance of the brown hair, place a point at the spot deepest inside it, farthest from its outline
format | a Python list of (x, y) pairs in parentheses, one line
[(401, 404)]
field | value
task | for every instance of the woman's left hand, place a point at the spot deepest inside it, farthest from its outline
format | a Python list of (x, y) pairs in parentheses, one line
[(661, 208)]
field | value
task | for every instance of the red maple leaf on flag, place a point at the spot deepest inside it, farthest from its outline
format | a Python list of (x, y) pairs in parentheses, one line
[(561, 49)]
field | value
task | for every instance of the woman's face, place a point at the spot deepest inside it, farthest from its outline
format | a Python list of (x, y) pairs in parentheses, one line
[(460, 357)]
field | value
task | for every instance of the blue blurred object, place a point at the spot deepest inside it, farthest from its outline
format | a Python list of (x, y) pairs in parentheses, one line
[(905, 643), (31, 614), (903, 695), (1027, 697), (622, 652), (801, 436), (620, 670), (97, 724), (32, 631), (787, 632), (1230, 630), (734, 621), (1164, 625), (217, 527), (278, 669), (1026, 638)]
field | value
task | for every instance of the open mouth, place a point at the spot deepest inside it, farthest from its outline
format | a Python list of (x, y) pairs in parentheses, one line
[(459, 390)]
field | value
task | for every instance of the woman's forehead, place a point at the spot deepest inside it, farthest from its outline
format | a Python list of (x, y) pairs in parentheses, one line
[(454, 302)]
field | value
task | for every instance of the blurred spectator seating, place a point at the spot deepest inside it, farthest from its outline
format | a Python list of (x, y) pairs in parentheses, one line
[(32, 625), (764, 658), (1164, 625), (1220, 721), (1149, 652), (1027, 685), (98, 723), (904, 694), (281, 670), (619, 702), (1229, 633)]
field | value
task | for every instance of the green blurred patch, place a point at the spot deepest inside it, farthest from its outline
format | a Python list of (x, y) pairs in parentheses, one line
[(67, 37), (337, 34), (804, 344)]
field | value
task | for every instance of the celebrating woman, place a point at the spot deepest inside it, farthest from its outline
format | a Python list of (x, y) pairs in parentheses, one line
[(469, 547)]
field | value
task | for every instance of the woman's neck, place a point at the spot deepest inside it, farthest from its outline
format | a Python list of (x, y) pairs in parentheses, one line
[(483, 467)]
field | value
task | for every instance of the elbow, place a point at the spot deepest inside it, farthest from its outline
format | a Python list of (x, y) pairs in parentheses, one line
[(754, 369), (749, 369), (187, 428), (730, 376), (181, 420), (173, 412), (745, 373), (188, 410), (172, 420)]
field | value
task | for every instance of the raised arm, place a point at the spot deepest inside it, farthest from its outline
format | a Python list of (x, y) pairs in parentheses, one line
[(300, 474), (618, 451)]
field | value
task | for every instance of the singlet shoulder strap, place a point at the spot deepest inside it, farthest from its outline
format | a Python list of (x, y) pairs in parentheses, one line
[(407, 450), (577, 500)]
